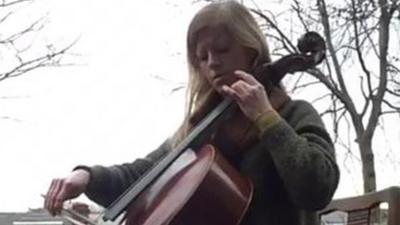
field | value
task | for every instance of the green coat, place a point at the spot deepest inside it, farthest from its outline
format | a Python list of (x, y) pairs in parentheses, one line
[(292, 167)]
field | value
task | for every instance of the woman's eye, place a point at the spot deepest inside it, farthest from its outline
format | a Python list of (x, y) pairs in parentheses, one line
[(202, 57), (222, 48)]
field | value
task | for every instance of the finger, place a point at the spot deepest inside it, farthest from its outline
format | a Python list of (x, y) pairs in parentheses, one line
[(248, 78), (61, 196), (228, 91), (53, 195), (47, 200), (253, 87), (239, 98), (242, 89), (46, 197)]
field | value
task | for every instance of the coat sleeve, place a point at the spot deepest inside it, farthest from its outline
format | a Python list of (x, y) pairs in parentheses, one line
[(107, 183), (303, 155)]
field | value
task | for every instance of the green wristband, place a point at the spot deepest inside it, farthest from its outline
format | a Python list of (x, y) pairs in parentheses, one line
[(266, 121)]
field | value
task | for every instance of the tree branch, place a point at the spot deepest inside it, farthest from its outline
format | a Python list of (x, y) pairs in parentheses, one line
[(394, 93), (384, 22), (358, 51), (390, 105), (51, 59), (366, 97), (4, 18), (4, 3), (343, 94), (296, 7), (320, 98), (285, 40), (35, 26), (305, 85)]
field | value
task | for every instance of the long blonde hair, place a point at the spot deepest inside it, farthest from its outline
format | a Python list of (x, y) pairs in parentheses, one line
[(200, 96)]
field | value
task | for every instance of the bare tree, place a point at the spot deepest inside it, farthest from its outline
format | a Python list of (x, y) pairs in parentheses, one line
[(360, 51), (20, 57)]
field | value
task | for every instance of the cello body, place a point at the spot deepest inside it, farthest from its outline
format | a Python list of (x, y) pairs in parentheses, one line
[(199, 188)]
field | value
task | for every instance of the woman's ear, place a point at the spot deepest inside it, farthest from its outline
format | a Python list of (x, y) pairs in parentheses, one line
[(253, 58)]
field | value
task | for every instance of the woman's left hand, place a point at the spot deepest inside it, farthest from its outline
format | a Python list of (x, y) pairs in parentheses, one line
[(249, 94)]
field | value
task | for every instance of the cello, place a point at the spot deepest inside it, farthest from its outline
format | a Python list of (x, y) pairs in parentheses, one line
[(194, 183)]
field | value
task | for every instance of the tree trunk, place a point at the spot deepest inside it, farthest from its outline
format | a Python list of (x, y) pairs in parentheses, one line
[(368, 165)]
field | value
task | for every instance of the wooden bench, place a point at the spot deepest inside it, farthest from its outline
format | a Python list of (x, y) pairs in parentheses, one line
[(360, 210)]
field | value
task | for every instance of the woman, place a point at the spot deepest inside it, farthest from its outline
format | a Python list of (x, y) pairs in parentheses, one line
[(279, 143)]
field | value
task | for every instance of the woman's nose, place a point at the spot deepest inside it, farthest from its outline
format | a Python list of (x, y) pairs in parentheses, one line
[(213, 60)]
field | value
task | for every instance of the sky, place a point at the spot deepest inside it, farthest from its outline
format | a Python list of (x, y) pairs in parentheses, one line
[(106, 108)]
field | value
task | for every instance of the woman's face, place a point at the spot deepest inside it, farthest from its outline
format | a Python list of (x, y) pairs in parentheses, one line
[(219, 55)]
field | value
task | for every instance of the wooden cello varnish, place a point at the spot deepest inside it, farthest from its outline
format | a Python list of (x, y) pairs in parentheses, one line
[(200, 188)]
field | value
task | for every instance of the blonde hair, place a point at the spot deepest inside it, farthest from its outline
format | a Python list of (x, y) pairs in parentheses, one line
[(200, 96)]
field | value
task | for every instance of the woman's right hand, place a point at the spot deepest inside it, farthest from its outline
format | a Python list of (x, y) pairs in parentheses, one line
[(62, 189)]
